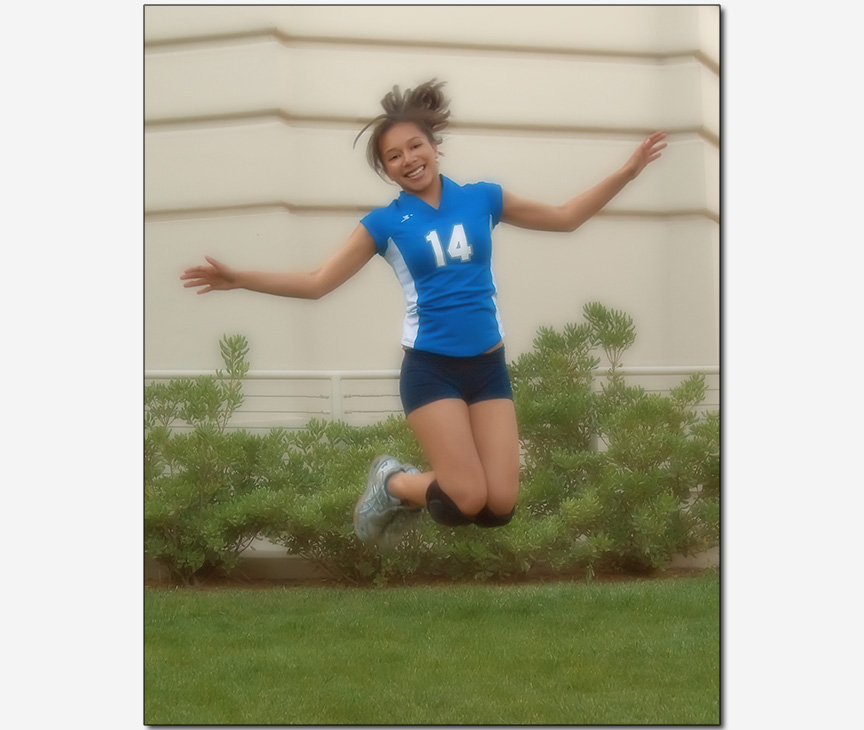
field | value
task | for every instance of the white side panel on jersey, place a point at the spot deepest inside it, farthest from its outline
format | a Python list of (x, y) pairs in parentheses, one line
[(412, 320), (494, 282)]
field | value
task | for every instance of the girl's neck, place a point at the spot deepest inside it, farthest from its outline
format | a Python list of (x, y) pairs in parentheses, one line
[(430, 195)]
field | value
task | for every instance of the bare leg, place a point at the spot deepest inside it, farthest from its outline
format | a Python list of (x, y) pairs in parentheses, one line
[(474, 453), (496, 437), (443, 430), (411, 488)]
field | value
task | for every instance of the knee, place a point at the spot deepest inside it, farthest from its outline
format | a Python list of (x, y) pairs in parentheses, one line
[(443, 509), (500, 504), (468, 491), (487, 518)]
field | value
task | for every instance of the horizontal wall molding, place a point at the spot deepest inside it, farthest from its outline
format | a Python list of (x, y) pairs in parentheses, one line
[(262, 116), (297, 41), (175, 214), (264, 208)]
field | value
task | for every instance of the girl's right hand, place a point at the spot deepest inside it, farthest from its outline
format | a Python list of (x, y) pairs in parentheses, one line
[(215, 277)]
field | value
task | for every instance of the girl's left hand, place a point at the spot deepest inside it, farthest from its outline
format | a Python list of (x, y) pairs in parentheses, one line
[(646, 152)]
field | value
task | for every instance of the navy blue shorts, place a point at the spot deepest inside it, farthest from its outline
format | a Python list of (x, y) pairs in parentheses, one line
[(427, 378)]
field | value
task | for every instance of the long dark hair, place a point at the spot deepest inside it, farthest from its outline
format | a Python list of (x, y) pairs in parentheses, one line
[(425, 106)]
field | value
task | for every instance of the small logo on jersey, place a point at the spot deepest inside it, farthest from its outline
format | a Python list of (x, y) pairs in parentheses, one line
[(406, 217)]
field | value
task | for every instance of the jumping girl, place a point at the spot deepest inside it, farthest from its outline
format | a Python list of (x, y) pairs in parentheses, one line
[(454, 384)]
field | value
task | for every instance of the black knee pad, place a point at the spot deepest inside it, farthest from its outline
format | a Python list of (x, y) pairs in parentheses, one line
[(486, 518), (442, 509)]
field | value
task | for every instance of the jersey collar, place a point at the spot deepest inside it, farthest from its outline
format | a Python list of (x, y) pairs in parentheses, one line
[(409, 200)]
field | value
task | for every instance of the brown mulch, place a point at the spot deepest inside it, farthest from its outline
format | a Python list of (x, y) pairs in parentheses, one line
[(239, 581)]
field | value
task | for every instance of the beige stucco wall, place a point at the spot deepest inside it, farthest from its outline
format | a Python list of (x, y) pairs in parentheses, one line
[(250, 115)]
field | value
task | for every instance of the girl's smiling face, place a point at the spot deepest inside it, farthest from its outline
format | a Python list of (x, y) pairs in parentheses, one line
[(410, 158)]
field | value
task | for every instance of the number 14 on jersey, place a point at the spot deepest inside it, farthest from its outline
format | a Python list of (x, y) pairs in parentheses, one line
[(458, 248)]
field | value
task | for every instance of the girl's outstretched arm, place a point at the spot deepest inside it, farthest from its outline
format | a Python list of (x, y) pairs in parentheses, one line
[(568, 217), (336, 270)]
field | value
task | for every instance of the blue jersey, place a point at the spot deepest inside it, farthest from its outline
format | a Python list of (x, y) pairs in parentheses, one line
[(443, 259)]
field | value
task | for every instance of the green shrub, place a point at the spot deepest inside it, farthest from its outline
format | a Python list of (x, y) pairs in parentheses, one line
[(613, 477), (632, 476), (205, 489), (209, 492), (326, 469)]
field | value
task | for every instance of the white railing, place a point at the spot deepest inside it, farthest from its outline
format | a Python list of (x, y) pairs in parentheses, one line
[(669, 370), (339, 391), (336, 378)]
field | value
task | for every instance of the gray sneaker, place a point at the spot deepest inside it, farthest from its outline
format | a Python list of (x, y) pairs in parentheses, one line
[(377, 507), (402, 521)]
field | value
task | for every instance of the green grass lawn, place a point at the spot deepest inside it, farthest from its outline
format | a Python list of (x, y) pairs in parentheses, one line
[(637, 652)]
